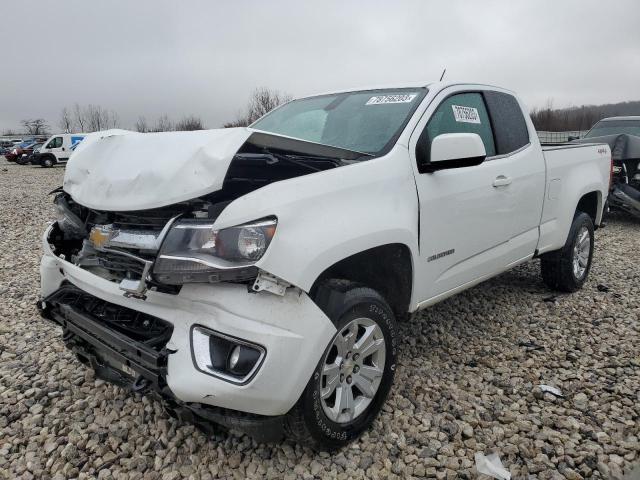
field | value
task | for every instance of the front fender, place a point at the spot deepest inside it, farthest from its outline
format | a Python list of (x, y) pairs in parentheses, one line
[(327, 216)]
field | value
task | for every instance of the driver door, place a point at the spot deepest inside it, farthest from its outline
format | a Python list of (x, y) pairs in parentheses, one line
[(464, 215), (55, 146)]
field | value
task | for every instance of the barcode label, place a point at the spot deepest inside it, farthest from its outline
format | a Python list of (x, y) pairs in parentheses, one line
[(465, 114), (383, 99)]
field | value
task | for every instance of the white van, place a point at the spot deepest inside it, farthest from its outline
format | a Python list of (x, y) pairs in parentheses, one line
[(58, 148)]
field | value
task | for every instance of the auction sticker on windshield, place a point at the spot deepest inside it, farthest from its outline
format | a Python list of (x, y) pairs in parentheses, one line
[(465, 114), (384, 99)]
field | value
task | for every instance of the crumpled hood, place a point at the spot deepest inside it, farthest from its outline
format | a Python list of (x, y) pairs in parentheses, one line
[(118, 170)]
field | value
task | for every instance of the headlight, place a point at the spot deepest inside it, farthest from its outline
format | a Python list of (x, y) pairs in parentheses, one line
[(194, 251), (68, 221)]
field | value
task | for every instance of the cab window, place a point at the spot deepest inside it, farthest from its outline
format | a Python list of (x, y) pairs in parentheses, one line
[(461, 113), (509, 125), (55, 143)]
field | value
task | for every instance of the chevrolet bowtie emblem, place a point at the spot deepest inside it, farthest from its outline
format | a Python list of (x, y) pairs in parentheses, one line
[(100, 235)]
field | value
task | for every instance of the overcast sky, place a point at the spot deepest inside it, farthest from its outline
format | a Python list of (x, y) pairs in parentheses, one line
[(204, 58)]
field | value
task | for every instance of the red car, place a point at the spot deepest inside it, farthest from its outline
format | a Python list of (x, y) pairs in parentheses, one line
[(24, 148)]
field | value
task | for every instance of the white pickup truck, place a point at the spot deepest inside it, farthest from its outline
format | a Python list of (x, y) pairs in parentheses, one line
[(253, 277)]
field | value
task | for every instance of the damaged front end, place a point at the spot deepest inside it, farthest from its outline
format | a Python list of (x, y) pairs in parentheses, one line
[(165, 247), (161, 249), (129, 348), (130, 289)]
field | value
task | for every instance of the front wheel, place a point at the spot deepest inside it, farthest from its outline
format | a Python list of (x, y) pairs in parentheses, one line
[(567, 270), (354, 375), (47, 161)]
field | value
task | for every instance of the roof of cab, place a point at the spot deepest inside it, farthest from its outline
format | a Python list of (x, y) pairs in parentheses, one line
[(399, 86)]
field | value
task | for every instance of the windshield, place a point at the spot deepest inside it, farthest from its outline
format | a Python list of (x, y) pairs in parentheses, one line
[(613, 127), (367, 121)]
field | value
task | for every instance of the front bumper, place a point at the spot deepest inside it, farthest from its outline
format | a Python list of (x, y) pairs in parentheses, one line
[(292, 329)]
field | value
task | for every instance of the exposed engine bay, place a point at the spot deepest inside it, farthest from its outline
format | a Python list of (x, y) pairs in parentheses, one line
[(125, 246)]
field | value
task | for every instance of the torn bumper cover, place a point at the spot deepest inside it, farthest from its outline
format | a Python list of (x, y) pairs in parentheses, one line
[(291, 330)]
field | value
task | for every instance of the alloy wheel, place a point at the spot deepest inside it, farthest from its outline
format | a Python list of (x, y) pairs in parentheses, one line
[(352, 370), (581, 250)]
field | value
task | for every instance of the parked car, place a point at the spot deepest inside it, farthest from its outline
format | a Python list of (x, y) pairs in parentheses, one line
[(253, 277), (622, 134), (58, 148), (7, 145), (29, 154), (20, 149)]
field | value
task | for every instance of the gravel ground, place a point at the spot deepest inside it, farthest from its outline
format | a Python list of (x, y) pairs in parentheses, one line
[(467, 381)]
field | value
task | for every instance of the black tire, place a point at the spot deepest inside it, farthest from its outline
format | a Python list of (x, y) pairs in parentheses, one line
[(605, 211), (307, 423), (47, 161), (558, 267)]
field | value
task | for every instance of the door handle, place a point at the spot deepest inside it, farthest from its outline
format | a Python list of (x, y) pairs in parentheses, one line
[(501, 181)]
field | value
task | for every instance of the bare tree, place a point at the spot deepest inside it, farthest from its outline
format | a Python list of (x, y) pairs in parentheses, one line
[(262, 101), (79, 118), (141, 125), (9, 131), (114, 119), (164, 124), (36, 126), (189, 123), (96, 118), (66, 121), (99, 118), (239, 122)]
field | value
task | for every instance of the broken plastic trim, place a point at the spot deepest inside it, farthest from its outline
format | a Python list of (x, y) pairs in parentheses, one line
[(270, 283)]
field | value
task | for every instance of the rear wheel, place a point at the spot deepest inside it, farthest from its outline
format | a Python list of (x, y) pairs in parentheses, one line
[(354, 375), (567, 269)]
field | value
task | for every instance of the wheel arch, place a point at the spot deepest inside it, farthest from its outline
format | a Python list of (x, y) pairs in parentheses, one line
[(592, 204), (388, 269)]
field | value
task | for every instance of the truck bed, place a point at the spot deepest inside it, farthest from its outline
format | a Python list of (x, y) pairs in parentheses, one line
[(573, 170)]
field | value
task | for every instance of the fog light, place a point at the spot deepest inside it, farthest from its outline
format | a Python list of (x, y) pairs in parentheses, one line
[(222, 356), (242, 359), (234, 357)]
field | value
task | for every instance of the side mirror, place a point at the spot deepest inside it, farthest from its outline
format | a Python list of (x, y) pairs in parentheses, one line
[(453, 150)]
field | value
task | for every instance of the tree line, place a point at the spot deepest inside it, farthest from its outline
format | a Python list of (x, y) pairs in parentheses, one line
[(549, 119), (93, 118)]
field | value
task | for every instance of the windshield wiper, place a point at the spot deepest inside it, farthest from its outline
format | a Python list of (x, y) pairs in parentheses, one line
[(277, 157), (273, 158)]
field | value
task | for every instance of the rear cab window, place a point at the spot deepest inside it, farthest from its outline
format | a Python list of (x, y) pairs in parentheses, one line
[(509, 126)]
